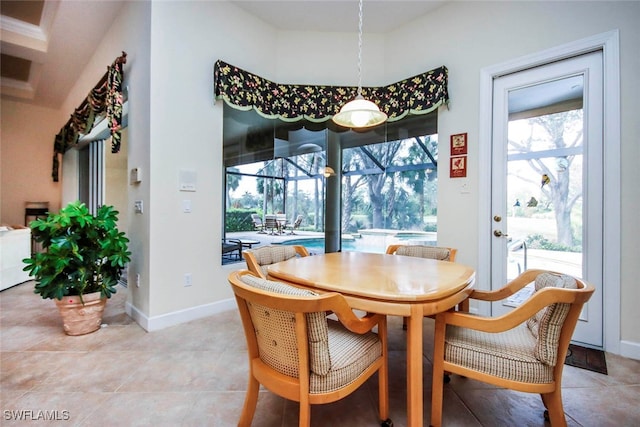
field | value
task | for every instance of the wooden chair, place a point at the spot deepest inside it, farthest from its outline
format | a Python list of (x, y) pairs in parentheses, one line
[(523, 350), (260, 258), (424, 251), (431, 252), (297, 353)]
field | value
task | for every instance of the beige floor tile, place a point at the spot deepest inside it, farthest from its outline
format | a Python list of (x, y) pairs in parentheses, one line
[(195, 374)]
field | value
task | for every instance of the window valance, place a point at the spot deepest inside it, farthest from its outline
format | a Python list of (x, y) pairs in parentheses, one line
[(104, 101), (243, 90)]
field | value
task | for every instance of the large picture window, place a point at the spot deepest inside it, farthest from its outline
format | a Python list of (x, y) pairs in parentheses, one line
[(275, 169)]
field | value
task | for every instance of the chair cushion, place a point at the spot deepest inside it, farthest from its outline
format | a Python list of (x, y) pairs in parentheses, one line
[(268, 255), (547, 323), (273, 327), (509, 354), (432, 252), (350, 355)]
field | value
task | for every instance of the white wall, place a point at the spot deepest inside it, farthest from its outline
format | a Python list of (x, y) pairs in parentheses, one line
[(186, 134)]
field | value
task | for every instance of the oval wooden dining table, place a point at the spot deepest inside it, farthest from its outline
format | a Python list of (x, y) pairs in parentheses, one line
[(387, 284)]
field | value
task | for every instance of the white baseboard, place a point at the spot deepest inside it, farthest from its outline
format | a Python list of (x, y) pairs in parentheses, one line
[(630, 349), (155, 323)]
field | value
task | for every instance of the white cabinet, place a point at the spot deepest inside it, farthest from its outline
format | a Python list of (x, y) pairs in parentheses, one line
[(15, 245)]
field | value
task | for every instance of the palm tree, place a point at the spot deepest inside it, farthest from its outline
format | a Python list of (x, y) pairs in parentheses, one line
[(233, 182)]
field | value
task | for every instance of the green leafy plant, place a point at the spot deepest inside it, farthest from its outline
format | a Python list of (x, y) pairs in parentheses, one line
[(83, 253)]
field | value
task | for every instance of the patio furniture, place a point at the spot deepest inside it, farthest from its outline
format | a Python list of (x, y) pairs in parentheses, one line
[(257, 223), (523, 350), (299, 354), (296, 224), (270, 223), (248, 243), (282, 221), (232, 249)]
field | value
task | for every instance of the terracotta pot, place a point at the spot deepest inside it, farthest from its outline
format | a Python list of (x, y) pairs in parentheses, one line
[(78, 318)]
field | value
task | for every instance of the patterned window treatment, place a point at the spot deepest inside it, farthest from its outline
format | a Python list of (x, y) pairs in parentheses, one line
[(104, 100), (243, 90)]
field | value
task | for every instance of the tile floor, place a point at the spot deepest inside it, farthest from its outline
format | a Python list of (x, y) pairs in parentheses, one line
[(195, 375)]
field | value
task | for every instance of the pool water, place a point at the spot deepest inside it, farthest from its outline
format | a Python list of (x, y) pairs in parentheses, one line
[(366, 243)]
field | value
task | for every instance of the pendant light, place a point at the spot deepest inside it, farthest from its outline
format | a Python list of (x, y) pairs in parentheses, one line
[(328, 171), (359, 113)]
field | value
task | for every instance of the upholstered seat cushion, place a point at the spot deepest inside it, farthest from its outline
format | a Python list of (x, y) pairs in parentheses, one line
[(509, 354), (350, 355), (442, 254), (547, 323)]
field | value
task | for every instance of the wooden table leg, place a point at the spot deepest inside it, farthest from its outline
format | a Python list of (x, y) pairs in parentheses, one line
[(414, 368)]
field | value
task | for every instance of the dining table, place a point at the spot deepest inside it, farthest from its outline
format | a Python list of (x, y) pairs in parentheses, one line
[(387, 284)]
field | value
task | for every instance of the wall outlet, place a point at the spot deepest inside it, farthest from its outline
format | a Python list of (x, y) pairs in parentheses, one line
[(188, 279), (138, 280)]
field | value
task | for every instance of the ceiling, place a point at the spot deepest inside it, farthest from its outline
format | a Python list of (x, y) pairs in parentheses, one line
[(46, 44), (378, 16)]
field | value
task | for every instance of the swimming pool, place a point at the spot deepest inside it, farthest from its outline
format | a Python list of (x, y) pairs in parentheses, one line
[(365, 242)]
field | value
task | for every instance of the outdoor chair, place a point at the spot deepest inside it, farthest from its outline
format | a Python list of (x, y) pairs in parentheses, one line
[(296, 224), (523, 350), (231, 248), (260, 258), (271, 223), (257, 223), (297, 353)]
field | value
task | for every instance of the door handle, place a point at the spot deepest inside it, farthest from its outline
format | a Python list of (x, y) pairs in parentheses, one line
[(499, 233)]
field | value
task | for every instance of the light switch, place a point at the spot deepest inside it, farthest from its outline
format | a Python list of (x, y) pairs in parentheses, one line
[(186, 206), (135, 176), (137, 206)]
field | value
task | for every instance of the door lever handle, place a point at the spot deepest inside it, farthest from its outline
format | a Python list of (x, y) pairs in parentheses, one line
[(499, 233)]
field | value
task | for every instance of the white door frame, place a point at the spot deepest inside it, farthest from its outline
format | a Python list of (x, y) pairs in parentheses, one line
[(609, 44)]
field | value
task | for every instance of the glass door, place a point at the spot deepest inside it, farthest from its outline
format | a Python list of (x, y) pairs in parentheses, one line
[(547, 179)]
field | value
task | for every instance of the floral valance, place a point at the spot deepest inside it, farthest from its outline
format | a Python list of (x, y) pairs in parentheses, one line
[(243, 90), (104, 100)]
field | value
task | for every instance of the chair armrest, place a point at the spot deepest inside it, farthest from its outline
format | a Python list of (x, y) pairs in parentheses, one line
[(322, 302), (537, 302), (349, 320), (509, 289)]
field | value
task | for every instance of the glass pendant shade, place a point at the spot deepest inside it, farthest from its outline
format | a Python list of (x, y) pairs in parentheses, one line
[(359, 113), (328, 171)]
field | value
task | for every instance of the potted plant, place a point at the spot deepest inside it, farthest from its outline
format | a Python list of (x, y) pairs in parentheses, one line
[(81, 263)]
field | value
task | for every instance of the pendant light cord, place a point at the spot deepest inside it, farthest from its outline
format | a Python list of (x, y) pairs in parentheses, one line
[(360, 51)]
